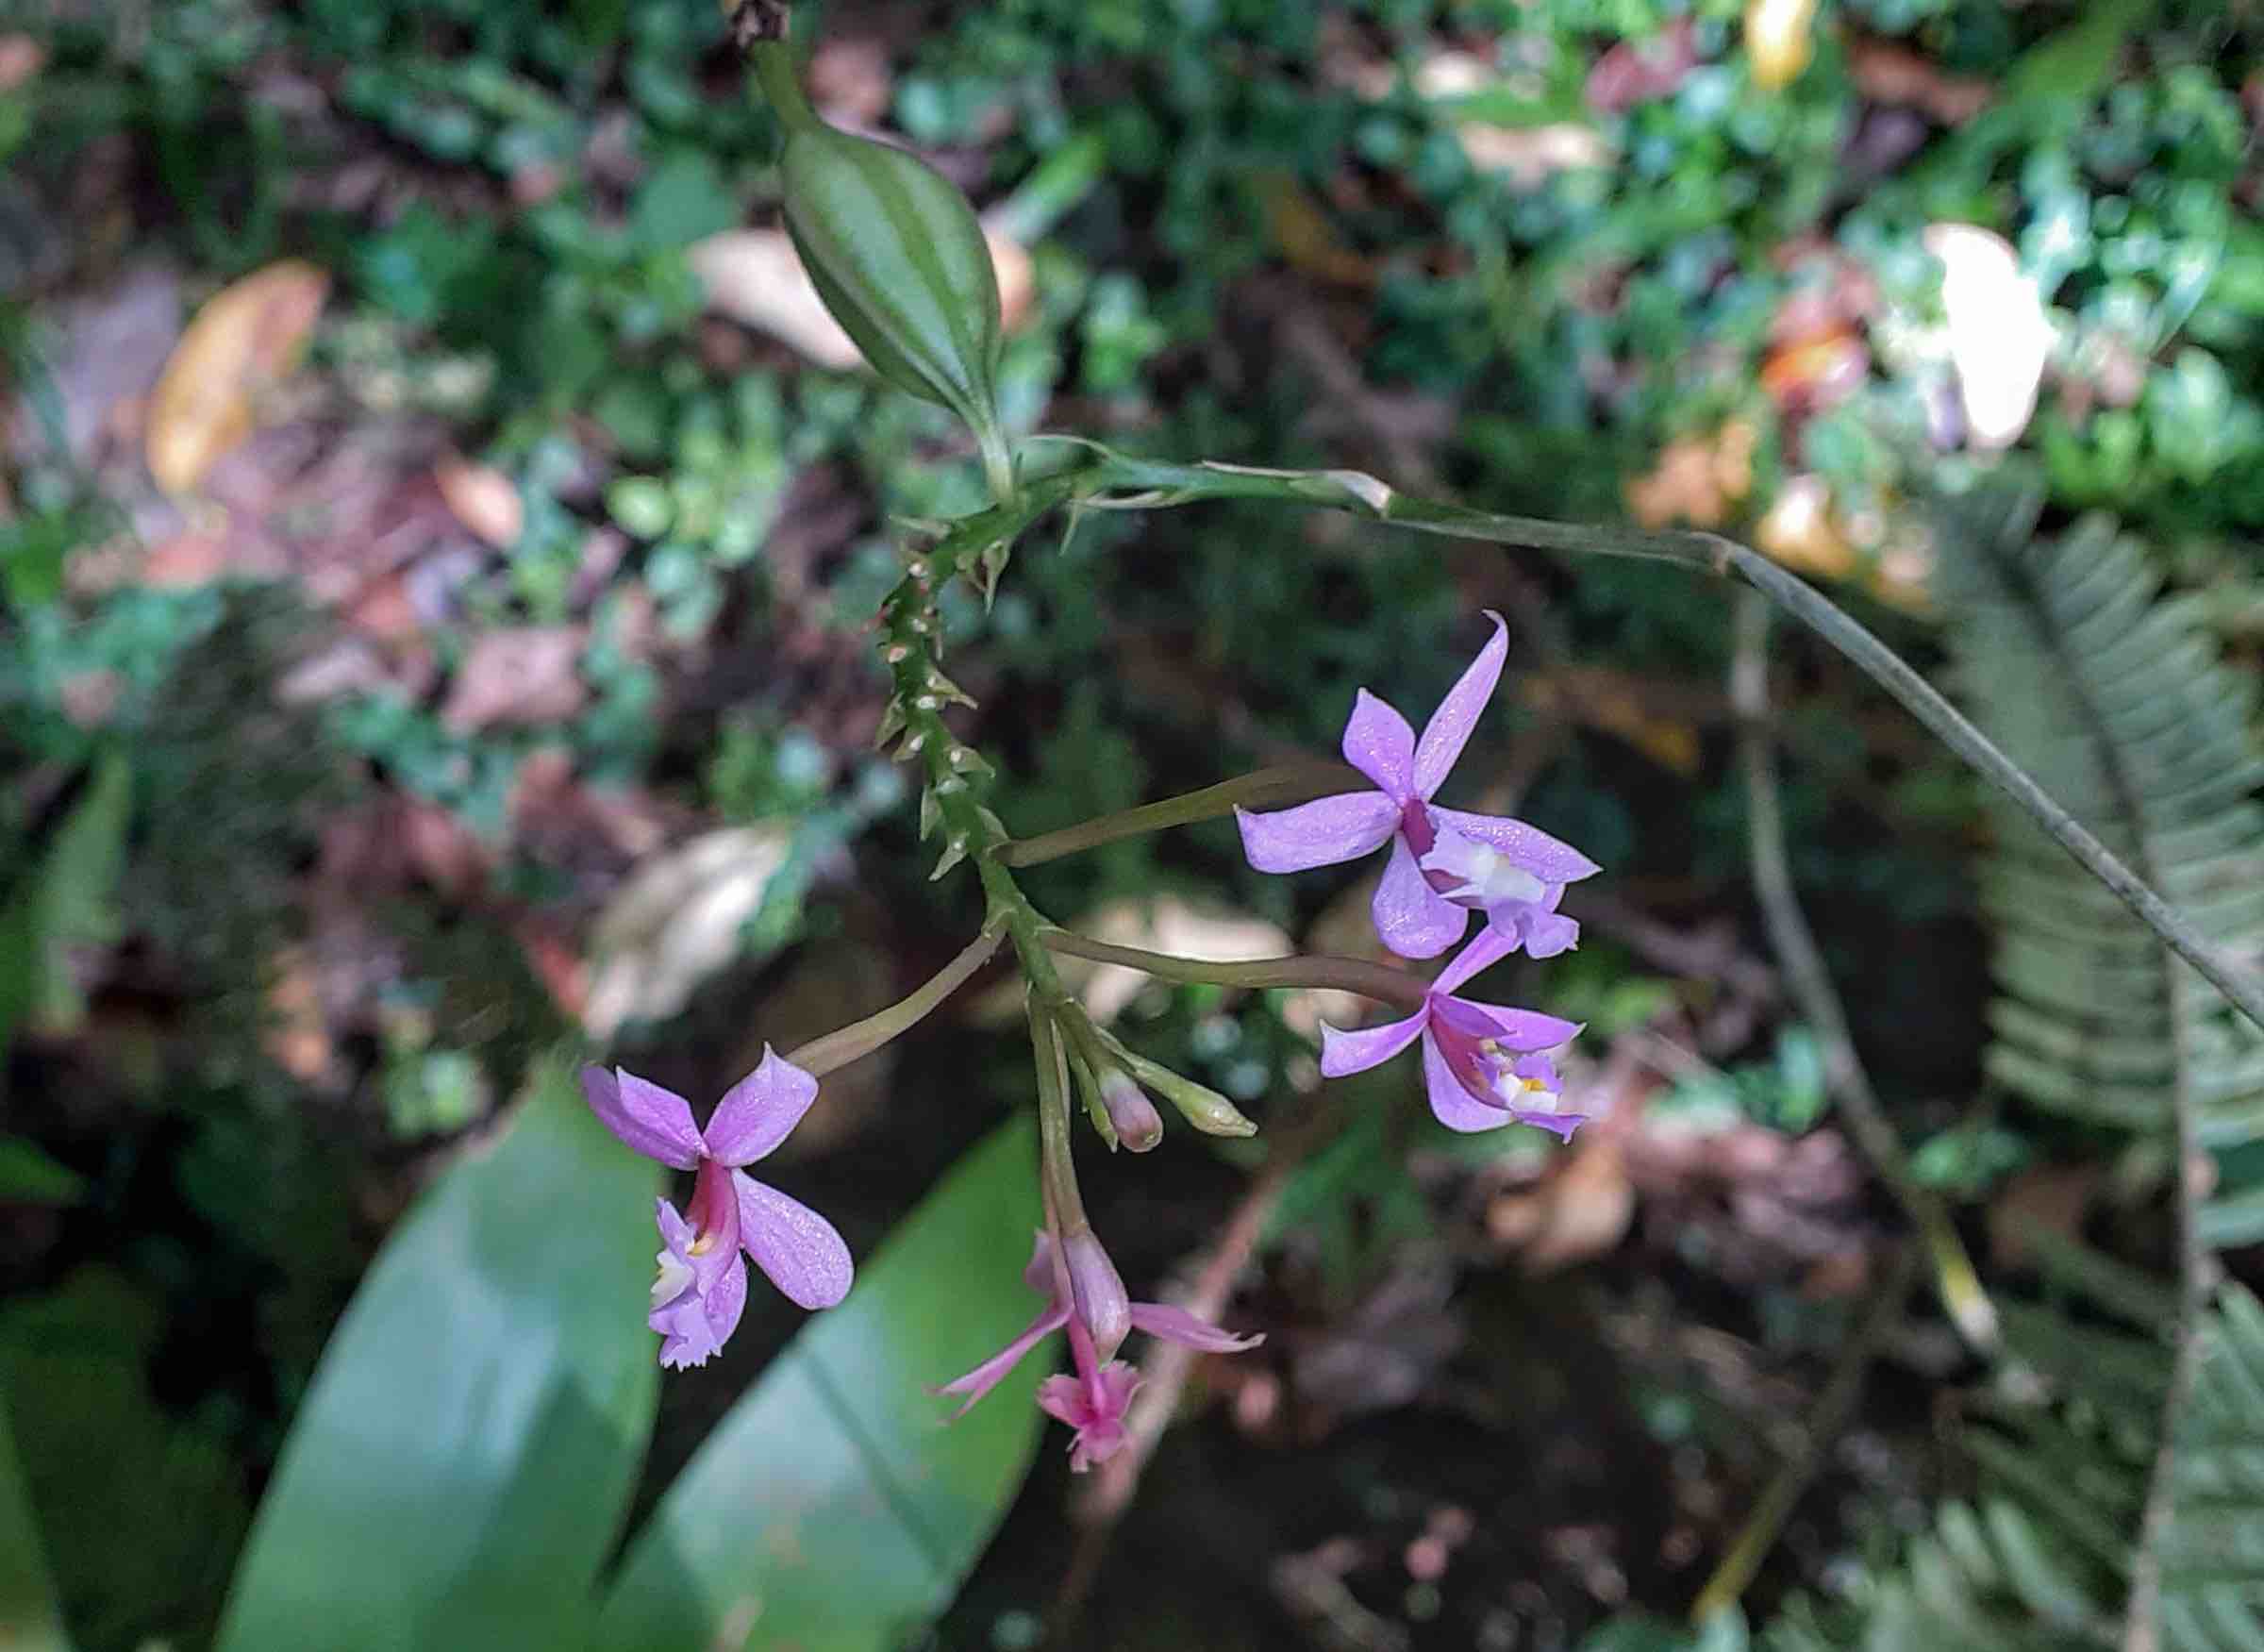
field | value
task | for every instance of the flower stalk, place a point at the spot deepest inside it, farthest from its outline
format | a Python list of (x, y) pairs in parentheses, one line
[(859, 1039), (1273, 788)]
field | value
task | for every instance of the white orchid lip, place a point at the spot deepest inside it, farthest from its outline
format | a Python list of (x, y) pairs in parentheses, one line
[(675, 1279), (1488, 877)]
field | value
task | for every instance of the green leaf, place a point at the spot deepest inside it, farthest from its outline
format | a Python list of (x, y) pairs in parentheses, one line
[(66, 903), (464, 1456), (140, 1510), (30, 1176), (28, 1619), (832, 1511), (684, 200)]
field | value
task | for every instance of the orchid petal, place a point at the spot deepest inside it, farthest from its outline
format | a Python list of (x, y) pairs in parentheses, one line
[(686, 1335), (1526, 1031), (1319, 833), (992, 1372), (1176, 1324), (1414, 919), (1560, 1124), (1551, 860), (1545, 933), (1345, 1053), (1488, 949), (761, 1111), (1062, 1398), (1039, 1274), (1449, 730), (643, 1117), (799, 1249), (1380, 744), (1454, 1106)]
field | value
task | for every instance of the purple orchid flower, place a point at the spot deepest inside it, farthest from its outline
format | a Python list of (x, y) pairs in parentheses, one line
[(1481, 1062), (1093, 1401), (701, 1288), (1444, 862)]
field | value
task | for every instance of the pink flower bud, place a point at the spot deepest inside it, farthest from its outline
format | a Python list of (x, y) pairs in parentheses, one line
[(1097, 1294), (1139, 1126)]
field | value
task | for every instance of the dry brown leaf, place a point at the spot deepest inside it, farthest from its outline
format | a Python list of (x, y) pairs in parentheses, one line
[(2044, 1200), (1816, 374), (1890, 74), (483, 499), (1529, 156), (676, 921), (1617, 703), (21, 58), (1800, 531), (1697, 479), (298, 1038), (1636, 71), (1580, 1212), (1300, 232), (517, 675), (245, 339)]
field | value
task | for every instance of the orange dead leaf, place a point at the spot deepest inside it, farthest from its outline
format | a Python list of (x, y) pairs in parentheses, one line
[(247, 338), (483, 499), (1697, 479)]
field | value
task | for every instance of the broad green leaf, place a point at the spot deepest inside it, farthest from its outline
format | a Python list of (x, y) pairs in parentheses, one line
[(139, 1511), (30, 1176), (464, 1456), (28, 1619), (832, 1511), (65, 903)]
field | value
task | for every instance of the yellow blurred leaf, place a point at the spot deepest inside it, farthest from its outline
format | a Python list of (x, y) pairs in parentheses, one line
[(1780, 38), (1697, 479), (248, 338)]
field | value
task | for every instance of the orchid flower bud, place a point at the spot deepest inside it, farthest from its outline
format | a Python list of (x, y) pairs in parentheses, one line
[(1097, 1292), (1200, 1105), (895, 252), (1139, 1126)]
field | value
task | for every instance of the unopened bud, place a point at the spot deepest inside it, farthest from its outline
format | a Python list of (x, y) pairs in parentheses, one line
[(1200, 1105), (1097, 1292), (1139, 1126)]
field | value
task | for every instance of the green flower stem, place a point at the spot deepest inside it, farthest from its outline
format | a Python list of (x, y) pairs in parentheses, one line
[(1347, 975), (774, 71), (1055, 1164), (1264, 789), (1811, 985), (1142, 484), (859, 1039)]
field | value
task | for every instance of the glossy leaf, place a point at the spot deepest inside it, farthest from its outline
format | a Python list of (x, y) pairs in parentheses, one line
[(66, 903), (464, 1456), (832, 1511)]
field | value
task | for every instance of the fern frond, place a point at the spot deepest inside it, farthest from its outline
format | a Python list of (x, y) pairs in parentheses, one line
[(2115, 698)]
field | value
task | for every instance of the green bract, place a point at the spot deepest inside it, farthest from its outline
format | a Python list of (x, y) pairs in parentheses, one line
[(894, 250)]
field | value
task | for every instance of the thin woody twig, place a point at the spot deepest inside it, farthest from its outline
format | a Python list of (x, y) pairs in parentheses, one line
[(1811, 985), (1758, 1535)]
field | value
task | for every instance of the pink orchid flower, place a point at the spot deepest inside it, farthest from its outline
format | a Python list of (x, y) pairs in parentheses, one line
[(1093, 1401), (1481, 1062), (1445, 863), (701, 1288)]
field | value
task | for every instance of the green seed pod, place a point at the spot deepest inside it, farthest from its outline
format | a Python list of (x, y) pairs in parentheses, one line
[(894, 250)]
